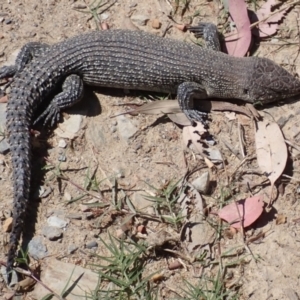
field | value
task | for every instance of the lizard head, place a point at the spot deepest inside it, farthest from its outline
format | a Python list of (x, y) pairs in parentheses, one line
[(269, 82)]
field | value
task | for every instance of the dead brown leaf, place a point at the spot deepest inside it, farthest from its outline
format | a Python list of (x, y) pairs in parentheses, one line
[(271, 150)]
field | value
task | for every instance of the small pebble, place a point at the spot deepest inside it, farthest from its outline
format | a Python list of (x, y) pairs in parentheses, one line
[(7, 224), (62, 143), (79, 6), (92, 244), (52, 233), (156, 24), (120, 234), (44, 191), (37, 249), (57, 222), (67, 196), (202, 183), (8, 21), (72, 248), (141, 20), (105, 16), (62, 158)]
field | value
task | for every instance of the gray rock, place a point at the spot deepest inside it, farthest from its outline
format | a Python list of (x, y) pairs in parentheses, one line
[(202, 183), (62, 158), (2, 116), (74, 216), (52, 233), (44, 191), (95, 134), (73, 124), (72, 248), (4, 146), (126, 128), (92, 244), (57, 222), (37, 249), (140, 20), (14, 277), (62, 143), (214, 155), (141, 203)]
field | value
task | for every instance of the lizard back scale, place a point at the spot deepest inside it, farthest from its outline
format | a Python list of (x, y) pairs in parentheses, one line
[(131, 60)]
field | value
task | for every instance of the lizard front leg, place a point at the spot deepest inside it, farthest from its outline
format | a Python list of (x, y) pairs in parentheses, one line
[(210, 34)]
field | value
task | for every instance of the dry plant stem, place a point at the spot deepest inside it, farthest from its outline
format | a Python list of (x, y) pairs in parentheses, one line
[(241, 139), (240, 164), (79, 187), (31, 275), (240, 220), (184, 257), (292, 145), (290, 177), (230, 148), (274, 13)]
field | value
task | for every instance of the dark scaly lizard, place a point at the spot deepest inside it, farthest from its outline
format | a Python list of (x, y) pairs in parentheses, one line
[(131, 60)]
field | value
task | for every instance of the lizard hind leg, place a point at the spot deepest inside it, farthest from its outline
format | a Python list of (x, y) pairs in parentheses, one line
[(209, 33), (72, 92)]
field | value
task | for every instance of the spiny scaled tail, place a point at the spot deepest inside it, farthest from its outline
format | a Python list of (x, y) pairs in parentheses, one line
[(19, 139)]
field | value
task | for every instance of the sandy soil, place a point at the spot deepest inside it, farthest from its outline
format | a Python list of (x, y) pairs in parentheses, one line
[(151, 157)]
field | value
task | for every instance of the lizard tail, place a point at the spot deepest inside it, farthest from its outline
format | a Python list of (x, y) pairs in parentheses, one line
[(18, 125)]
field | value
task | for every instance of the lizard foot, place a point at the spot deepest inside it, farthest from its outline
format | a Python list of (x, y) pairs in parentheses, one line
[(51, 115), (196, 115)]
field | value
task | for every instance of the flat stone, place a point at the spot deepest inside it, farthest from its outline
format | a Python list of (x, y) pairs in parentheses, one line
[(57, 222), (72, 248), (70, 127), (141, 203), (4, 146), (52, 233), (126, 128), (214, 155), (37, 249), (202, 183), (62, 143), (92, 244), (140, 20), (55, 275), (95, 134), (7, 225)]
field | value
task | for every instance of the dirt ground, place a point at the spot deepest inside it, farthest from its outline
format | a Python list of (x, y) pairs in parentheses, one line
[(146, 151)]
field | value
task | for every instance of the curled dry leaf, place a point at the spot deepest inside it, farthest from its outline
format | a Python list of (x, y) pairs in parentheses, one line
[(271, 149), (248, 210), (3, 99), (192, 135), (269, 25), (237, 44), (180, 119), (157, 107)]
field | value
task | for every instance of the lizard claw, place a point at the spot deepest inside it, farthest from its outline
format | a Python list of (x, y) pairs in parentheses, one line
[(51, 115), (196, 115)]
